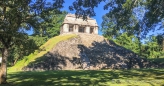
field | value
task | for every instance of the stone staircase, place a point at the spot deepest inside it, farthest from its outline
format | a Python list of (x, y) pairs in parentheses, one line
[(89, 39), (85, 63)]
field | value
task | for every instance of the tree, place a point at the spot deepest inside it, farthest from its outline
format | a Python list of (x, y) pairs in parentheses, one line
[(160, 41), (123, 18), (17, 52), (50, 27), (135, 16), (17, 16), (85, 7), (128, 41), (132, 16), (124, 10), (107, 28), (151, 48), (56, 22)]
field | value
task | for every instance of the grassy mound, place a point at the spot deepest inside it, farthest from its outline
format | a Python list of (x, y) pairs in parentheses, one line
[(40, 52)]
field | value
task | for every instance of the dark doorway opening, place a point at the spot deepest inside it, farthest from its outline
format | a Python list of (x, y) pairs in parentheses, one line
[(70, 28), (91, 30), (81, 29)]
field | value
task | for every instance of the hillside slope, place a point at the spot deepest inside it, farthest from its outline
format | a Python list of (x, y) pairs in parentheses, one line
[(87, 51), (40, 52)]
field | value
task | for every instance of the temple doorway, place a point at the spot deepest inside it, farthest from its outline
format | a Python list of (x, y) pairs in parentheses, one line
[(81, 29), (91, 30)]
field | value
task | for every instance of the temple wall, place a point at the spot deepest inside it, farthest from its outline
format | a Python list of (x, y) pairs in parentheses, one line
[(76, 28), (77, 25), (87, 30), (61, 30), (65, 28), (96, 30)]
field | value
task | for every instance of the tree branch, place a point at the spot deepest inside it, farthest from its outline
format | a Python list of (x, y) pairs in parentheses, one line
[(135, 2)]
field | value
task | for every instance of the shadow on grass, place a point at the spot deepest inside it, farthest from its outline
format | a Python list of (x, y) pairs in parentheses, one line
[(87, 77), (157, 60)]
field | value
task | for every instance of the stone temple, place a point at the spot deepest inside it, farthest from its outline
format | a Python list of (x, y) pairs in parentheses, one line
[(72, 24)]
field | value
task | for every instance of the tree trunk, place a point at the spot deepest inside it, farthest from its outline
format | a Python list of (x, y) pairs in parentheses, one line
[(162, 44), (139, 44), (3, 71), (15, 61), (140, 53)]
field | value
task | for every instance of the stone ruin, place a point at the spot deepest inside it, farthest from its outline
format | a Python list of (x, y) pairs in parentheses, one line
[(72, 24), (88, 52)]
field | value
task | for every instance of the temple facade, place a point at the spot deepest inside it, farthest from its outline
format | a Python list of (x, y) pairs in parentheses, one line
[(72, 24)]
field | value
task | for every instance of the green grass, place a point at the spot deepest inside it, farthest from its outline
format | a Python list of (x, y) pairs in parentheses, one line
[(157, 60), (40, 52), (137, 77)]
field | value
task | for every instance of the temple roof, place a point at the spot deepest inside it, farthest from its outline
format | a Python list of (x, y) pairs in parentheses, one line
[(71, 19)]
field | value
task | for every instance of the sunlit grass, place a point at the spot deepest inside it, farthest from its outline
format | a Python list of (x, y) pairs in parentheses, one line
[(40, 52), (139, 77)]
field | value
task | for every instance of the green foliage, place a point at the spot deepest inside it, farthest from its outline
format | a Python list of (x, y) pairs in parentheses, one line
[(136, 17), (150, 49), (54, 26), (85, 7), (128, 41), (17, 52), (160, 41), (50, 27), (154, 14), (38, 40), (16, 17)]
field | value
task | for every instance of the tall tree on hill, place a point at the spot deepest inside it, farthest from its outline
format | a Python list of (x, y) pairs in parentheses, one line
[(51, 26), (132, 16), (127, 12), (56, 22), (128, 41), (152, 49), (160, 41), (17, 16)]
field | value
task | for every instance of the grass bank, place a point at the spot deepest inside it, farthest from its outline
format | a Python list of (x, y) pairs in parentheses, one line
[(40, 52), (137, 77)]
